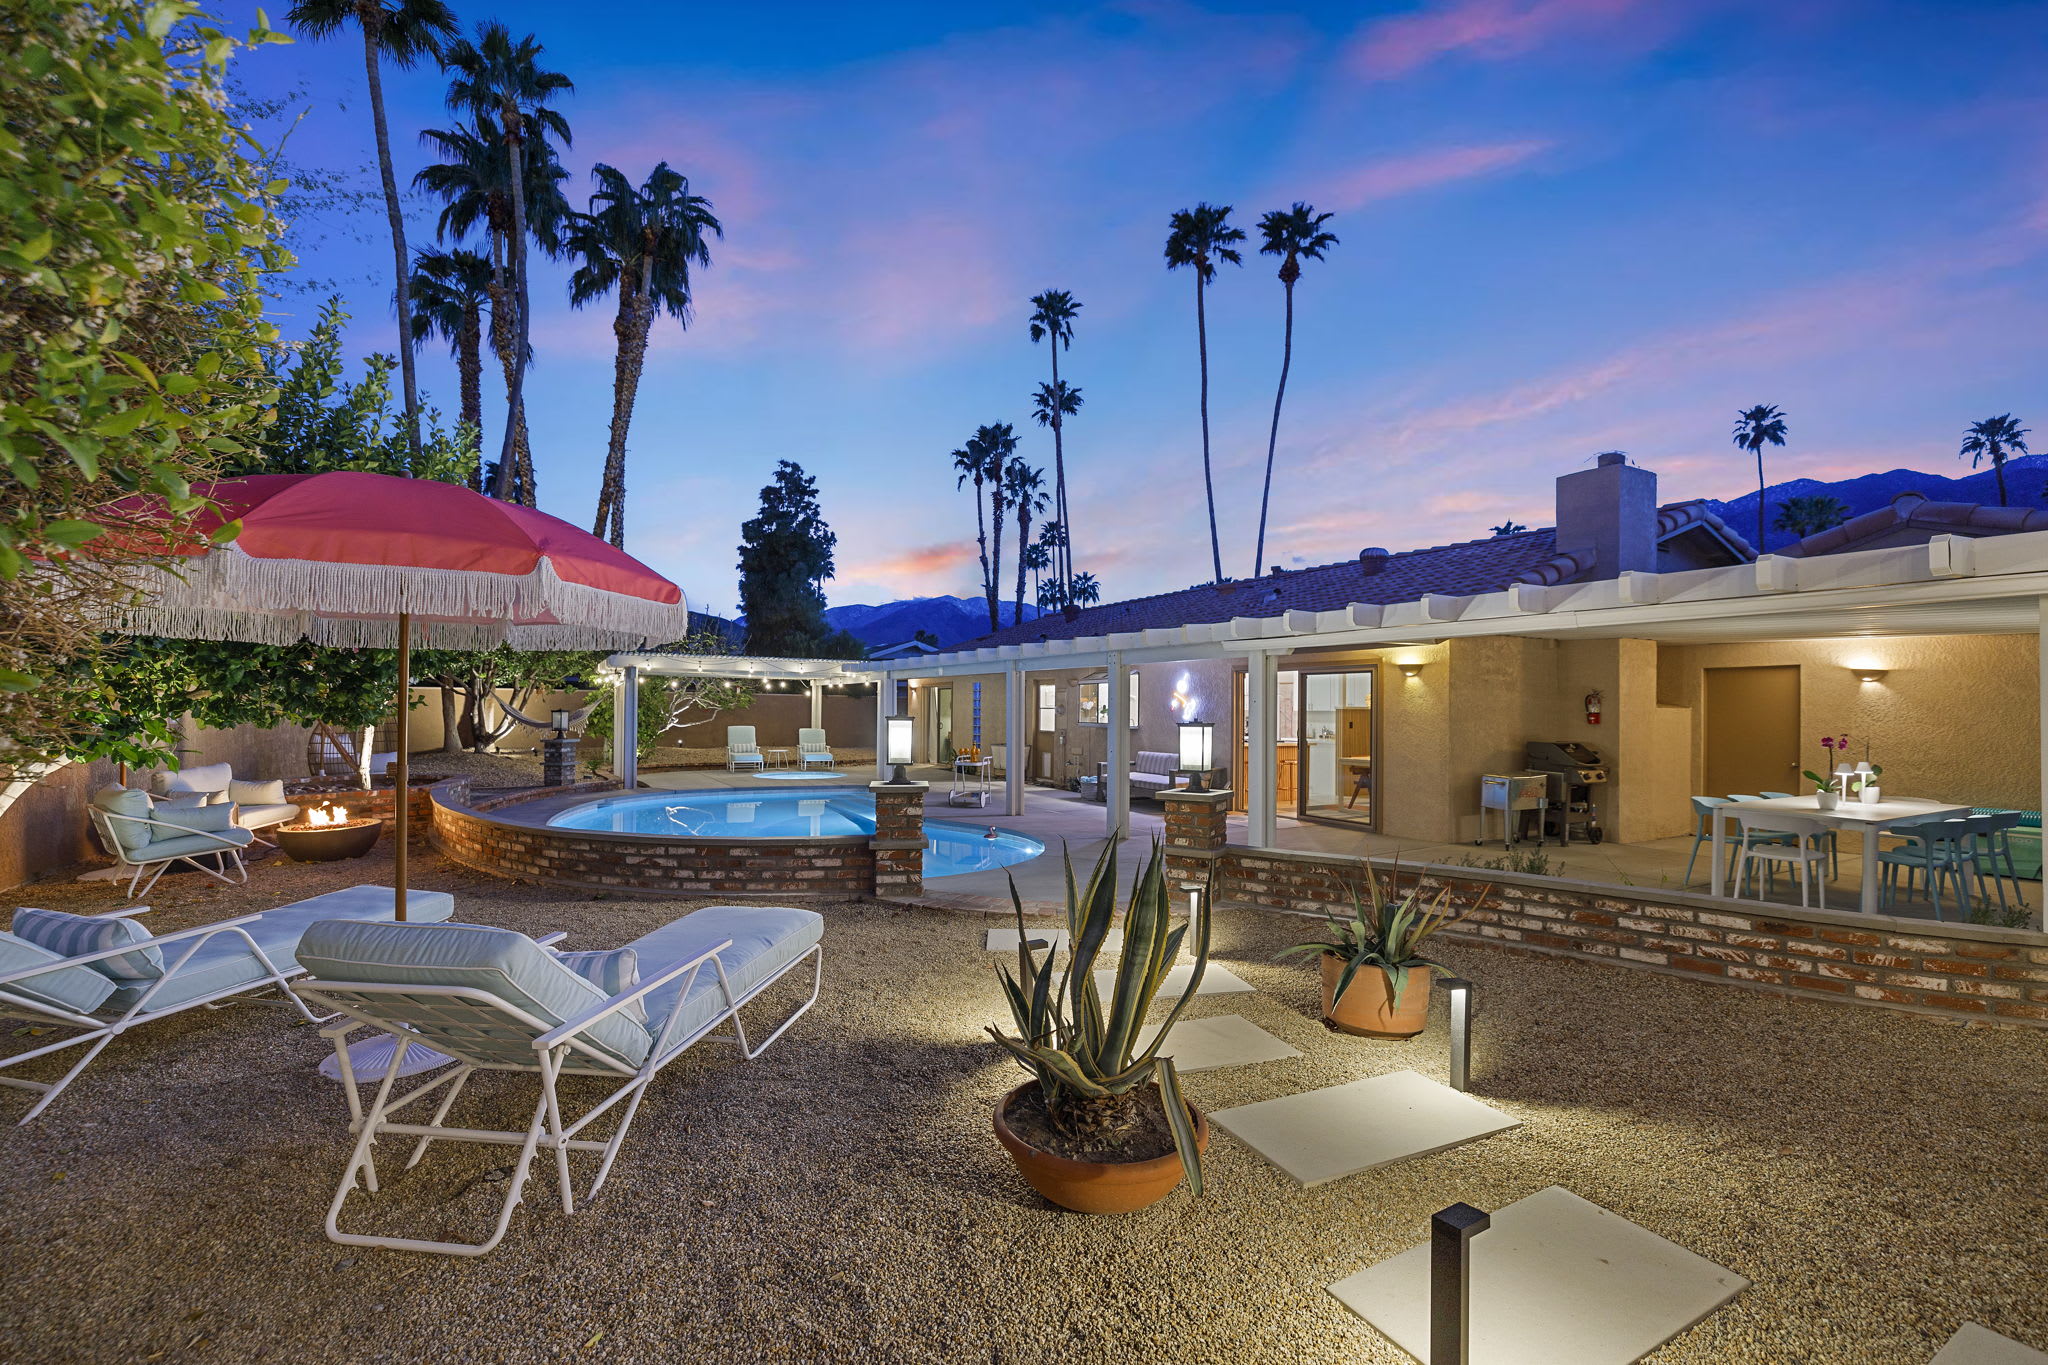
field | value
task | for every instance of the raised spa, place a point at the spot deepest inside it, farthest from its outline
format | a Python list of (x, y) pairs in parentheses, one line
[(811, 813)]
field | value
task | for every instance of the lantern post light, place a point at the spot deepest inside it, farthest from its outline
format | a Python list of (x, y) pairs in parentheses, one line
[(560, 721), (1197, 751), (896, 753)]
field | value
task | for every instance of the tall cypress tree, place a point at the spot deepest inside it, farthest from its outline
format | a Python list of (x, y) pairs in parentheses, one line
[(785, 554)]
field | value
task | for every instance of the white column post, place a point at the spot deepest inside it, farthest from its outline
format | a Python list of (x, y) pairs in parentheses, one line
[(885, 706), (1016, 745), (817, 705), (626, 729), (1261, 703), (1118, 824)]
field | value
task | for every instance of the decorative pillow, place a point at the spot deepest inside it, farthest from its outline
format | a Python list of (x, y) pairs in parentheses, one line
[(613, 971), (69, 935), (131, 802), (207, 819), (210, 778), (182, 801), (79, 989), (257, 793)]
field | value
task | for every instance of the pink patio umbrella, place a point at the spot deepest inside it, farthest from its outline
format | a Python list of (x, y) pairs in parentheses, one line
[(369, 560)]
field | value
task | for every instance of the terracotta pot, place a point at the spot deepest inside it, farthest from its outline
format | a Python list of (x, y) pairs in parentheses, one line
[(1366, 1008), (1095, 1186)]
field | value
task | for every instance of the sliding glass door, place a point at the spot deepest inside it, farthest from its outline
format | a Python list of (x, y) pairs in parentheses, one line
[(1334, 719)]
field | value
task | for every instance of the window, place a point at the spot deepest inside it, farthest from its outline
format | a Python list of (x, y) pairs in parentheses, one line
[(1093, 708), (1048, 707)]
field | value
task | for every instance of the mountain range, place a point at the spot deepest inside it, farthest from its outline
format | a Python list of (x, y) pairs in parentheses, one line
[(949, 619), (2024, 478)]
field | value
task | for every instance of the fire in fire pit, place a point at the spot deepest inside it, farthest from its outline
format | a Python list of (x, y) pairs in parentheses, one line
[(328, 833)]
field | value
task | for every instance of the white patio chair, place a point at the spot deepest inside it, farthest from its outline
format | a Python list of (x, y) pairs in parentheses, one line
[(98, 976), (145, 838), (812, 751), (741, 752), (495, 1000), (1764, 835)]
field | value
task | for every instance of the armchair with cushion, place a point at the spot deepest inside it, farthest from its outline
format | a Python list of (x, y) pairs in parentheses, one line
[(811, 749), (146, 837), (741, 750), (258, 805)]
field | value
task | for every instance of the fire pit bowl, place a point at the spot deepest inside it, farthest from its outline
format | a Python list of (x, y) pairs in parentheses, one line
[(331, 840)]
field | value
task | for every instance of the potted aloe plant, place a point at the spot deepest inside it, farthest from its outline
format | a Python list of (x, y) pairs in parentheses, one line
[(1376, 982), (1101, 1126)]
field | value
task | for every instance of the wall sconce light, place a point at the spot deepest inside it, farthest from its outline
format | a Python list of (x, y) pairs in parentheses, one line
[(1197, 751), (1410, 671), (1869, 675), (897, 750)]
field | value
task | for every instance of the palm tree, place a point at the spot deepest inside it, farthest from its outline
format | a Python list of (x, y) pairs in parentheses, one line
[(642, 243), (1294, 236), (1809, 515), (1038, 558), (474, 183), (1995, 439), (1085, 591), (969, 462), (1509, 528), (1200, 237), (1026, 489), (1756, 428), (1051, 406), (1052, 316), (449, 291), (400, 32), (501, 80), (993, 446)]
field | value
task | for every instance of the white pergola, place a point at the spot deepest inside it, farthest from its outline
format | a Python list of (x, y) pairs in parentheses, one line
[(818, 675), (1951, 585)]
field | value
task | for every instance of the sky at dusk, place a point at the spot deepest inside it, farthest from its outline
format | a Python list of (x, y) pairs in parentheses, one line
[(1567, 226)]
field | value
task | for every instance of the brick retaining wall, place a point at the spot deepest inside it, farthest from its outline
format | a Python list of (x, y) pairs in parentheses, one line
[(638, 864), (381, 802), (1954, 970)]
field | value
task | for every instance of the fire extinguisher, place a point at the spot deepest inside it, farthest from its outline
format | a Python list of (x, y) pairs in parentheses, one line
[(1592, 708)]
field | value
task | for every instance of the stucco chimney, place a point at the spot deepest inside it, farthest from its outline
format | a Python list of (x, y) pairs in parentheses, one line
[(1610, 511)]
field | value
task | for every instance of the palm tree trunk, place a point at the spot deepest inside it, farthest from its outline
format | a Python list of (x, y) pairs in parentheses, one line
[(1023, 540), (995, 577), (1998, 469), (399, 254), (509, 456), (1759, 499), (469, 361), (981, 537), (632, 326), (1208, 481), (1064, 569), (1273, 437)]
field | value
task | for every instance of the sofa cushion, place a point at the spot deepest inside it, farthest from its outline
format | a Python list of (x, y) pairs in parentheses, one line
[(80, 990), (192, 845), (211, 778), (509, 966), (257, 793), (263, 817), (216, 819), (1153, 761), (765, 939), (1150, 780), (613, 971), (126, 801), (69, 935)]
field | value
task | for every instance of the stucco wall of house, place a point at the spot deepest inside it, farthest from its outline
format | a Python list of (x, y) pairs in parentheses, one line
[(1957, 717)]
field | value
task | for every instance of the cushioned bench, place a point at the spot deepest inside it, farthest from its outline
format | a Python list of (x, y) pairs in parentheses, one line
[(1153, 772)]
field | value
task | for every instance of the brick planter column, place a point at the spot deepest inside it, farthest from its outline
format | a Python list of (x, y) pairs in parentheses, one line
[(899, 838), (1196, 831)]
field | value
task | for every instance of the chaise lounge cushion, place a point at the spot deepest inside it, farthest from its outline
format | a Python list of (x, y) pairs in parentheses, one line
[(69, 935), (765, 939), (508, 966), (224, 961), (78, 989)]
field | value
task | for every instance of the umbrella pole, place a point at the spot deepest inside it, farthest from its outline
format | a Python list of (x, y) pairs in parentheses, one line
[(403, 792)]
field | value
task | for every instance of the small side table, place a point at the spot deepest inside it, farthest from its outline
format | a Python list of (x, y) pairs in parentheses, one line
[(970, 782), (776, 758)]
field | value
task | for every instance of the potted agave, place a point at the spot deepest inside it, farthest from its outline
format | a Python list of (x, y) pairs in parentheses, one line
[(1101, 1126), (1376, 983)]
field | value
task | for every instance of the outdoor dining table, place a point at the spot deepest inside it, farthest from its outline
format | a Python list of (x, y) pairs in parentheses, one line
[(1869, 817)]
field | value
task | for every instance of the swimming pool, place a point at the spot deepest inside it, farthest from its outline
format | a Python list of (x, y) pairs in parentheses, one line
[(814, 812)]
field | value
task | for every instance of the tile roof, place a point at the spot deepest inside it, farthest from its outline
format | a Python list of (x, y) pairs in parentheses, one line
[(1913, 512)]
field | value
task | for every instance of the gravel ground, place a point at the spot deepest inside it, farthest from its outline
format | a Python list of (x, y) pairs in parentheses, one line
[(1877, 1176)]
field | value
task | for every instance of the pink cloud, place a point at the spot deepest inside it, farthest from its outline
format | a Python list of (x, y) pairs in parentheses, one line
[(1490, 29), (1392, 177)]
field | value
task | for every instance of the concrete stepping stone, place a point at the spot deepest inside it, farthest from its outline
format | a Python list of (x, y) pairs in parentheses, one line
[(1218, 1041), (1217, 980), (1556, 1280), (1974, 1344), (1324, 1135), (1005, 940)]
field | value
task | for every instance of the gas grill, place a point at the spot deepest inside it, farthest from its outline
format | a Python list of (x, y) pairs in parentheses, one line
[(1574, 772)]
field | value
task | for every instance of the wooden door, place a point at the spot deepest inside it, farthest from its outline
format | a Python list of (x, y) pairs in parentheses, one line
[(1752, 730)]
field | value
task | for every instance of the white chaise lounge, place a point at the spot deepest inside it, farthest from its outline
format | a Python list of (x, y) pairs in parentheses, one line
[(98, 976), (495, 1000), (741, 752), (811, 749)]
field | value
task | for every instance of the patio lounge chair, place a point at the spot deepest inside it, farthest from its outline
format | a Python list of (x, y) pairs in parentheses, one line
[(147, 837), (495, 1000), (99, 976), (258, 805), (741, 752), (812, 751)]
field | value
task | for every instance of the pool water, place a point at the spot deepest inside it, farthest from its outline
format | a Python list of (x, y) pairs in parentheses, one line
[(814, 812)]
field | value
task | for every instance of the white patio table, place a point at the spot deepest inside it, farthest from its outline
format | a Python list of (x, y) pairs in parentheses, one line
[(1869, 818)]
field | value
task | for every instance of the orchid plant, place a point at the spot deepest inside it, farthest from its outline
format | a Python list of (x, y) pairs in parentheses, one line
[(1852, 782), (1824, 781)]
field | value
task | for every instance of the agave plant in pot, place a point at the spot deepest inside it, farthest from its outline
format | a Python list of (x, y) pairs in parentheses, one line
[(1101, 1126), (1376, 982)]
